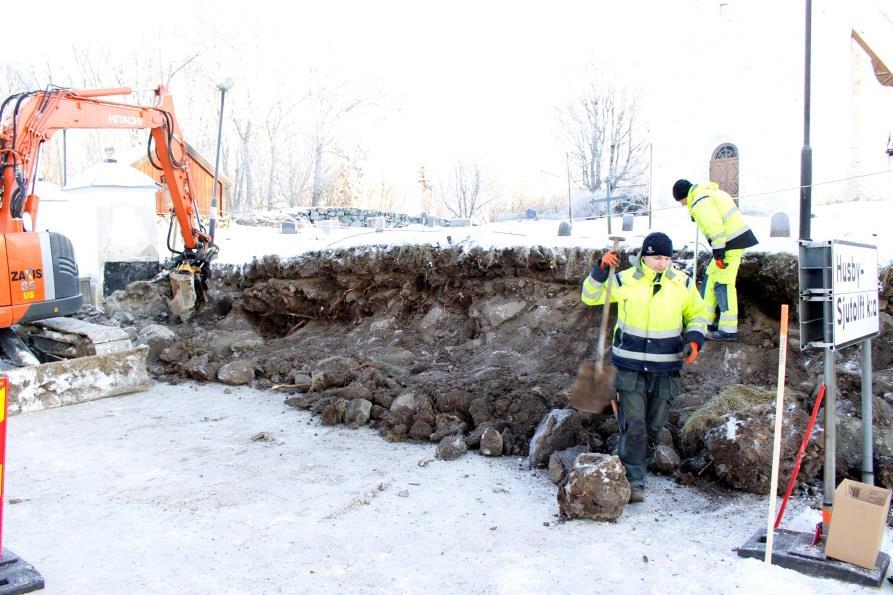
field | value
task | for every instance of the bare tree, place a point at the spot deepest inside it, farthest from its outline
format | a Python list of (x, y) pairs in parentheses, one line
[(465, 193), (331, 104), (601, 126), (295, 179)]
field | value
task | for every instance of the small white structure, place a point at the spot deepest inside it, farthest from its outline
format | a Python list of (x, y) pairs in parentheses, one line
[(108, 213)]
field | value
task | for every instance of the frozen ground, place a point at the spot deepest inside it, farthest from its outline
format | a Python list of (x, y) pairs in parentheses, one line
[(166, 491)]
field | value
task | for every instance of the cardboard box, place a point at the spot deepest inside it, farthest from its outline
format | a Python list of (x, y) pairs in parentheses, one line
[(858, 520)]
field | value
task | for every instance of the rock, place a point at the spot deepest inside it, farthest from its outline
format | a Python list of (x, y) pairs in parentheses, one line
[(378, 412), (479, 410), (849, 441), (446, 424), (334, 371), (451, 447), (140, 299), (235, 373), (357, 412), (223, 343), (884, 471), (333, 414), (498, 311), (596, 488), (666, 460), (157, 337), (740, 444), (564, 229), (421, 430), (557, 431), (305, 401), (453, 401), (405, 400), (473, 439), (383, 399), (200, 368), (491, 443), (562, 462), (352, 391)]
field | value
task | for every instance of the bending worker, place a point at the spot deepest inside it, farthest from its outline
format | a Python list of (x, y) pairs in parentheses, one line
[(724, 226), (660, 324)]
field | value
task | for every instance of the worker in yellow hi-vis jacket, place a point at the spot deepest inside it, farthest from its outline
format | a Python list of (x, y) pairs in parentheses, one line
[(724, 226)]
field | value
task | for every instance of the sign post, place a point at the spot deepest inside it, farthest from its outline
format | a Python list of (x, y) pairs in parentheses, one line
[(839, 308)]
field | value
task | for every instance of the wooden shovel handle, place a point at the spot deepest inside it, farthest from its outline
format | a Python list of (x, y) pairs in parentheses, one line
[(603, 329)]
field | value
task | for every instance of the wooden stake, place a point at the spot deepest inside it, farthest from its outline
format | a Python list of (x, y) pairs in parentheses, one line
[(776, 442)]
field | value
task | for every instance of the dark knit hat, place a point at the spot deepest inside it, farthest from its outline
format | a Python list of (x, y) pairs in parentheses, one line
[(681, 188), (657, 244)]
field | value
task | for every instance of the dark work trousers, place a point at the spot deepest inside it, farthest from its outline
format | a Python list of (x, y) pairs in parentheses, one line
[(645, 401)]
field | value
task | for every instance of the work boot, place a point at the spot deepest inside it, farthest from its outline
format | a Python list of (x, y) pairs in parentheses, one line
[(722, 336), (636, 494)]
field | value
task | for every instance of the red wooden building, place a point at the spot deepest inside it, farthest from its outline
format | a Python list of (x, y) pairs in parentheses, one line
[(202, 174)]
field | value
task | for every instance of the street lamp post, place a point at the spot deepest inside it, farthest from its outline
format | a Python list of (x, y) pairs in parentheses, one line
[(650, 180), (212, 226), (570, 209)]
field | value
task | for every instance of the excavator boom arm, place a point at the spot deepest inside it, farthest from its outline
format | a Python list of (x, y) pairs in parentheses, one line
[(30, 119)]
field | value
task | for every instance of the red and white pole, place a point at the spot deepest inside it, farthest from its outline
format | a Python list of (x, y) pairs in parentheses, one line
[(4, 386)]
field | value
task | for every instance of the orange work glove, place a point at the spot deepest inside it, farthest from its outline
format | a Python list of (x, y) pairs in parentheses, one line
[(720, 263), (610, 259), (689, 352)]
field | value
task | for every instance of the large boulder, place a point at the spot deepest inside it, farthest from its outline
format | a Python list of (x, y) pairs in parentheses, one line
[(596, 488), (557, 430), (740, 446)]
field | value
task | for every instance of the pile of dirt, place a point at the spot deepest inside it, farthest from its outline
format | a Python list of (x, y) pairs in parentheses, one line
[(424, 343)]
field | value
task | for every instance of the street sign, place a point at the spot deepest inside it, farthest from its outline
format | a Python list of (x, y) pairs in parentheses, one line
[(854, 293), (838, 293)]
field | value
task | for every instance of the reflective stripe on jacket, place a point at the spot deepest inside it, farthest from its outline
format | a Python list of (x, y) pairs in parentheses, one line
[(657, 314), (718, 218)]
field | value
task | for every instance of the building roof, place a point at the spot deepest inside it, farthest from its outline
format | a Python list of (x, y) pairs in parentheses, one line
[(111, 173)]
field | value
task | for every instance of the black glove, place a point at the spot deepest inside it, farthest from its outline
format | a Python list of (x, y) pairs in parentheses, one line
[(600, 269)]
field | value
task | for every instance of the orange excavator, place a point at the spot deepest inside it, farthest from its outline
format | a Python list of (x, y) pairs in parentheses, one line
[(38, 270)]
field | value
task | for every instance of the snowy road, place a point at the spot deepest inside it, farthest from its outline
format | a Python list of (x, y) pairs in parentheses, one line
[(166, 492)]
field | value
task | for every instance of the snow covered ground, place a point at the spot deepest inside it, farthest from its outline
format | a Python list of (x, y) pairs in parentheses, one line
[(865, 222), (175, 490)]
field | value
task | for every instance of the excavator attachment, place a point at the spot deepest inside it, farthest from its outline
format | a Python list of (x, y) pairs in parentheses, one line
[(185, 296)]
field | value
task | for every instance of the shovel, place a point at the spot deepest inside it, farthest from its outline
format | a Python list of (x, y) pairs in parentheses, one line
[(593, 390)]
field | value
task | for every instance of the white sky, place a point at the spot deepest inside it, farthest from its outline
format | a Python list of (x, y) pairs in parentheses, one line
[(471, 79)]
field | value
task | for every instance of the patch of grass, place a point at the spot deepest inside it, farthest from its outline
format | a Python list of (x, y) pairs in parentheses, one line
[(732, 398)]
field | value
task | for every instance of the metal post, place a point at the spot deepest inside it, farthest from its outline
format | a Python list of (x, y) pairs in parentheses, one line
[(570, 210), (806, 152), (867, 444), (64, 157), (212, 226), (694, 271), (829, 478), (608, 185), (650, 180)]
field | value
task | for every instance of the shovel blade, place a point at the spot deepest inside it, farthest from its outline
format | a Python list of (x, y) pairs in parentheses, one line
[(593, 389)]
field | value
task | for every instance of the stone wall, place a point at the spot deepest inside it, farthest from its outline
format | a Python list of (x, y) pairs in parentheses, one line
[(349, 216)]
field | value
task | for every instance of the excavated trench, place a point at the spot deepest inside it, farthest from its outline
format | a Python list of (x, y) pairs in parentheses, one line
[(425, 343)]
